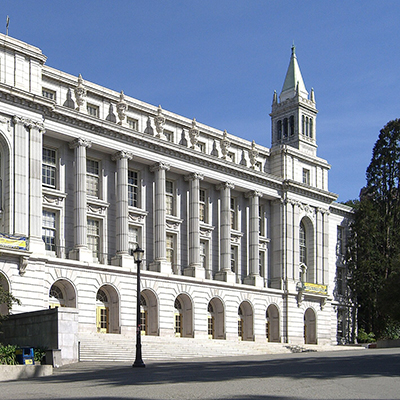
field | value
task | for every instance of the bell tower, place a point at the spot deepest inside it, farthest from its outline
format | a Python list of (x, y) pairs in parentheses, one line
[(293, 116)]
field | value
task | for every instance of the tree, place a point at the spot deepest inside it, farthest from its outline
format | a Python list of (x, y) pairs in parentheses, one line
[(6, 298), (374, 246)]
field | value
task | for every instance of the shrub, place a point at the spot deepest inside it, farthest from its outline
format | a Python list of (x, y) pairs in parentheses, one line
[(7, 354), (364, 337), (39, 353)]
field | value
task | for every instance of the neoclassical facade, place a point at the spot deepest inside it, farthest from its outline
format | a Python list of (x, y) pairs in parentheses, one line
[(242, 241)]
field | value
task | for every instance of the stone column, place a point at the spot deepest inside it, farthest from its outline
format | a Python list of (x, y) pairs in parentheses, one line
[(80, 251), (21, 174), (325, 248), (36, 243), (225, 273), (194, 269), (160, 234), (254, 277), (122, 237)]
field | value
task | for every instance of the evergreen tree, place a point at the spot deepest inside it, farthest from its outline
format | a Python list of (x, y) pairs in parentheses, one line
[(374, 247)]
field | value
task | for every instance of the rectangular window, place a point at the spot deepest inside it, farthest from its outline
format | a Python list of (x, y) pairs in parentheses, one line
[(202, 205), (340, 281), (93, 110), (169, 200), (49, 168), (133, 188), (93, 237), (49, 94), (170, 248), (133, 124), (169, 135), (202, 147), (233, 258), (232, 157), (306, 176), (261, 263), (261, 221), (49, 230), (233, 213), (203, 254), (133, 238), (339, 242), (92, 178)]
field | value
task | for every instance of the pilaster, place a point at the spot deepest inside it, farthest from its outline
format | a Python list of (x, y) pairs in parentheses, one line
[(80, 251), (122, 236), (160, 263), (254, 277), (225, 273), (195, 268)]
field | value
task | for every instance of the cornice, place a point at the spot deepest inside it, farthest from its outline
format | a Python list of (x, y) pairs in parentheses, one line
[(290, 186)]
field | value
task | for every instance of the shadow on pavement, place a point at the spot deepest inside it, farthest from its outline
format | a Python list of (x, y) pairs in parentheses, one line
[(294, 366)]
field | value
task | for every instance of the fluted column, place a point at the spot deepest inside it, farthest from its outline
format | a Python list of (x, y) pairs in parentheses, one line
[(21, 174), (35, 187), (81, 251), (194, 268), (225, 272), (160, 234), (122, 236), (254, 277)]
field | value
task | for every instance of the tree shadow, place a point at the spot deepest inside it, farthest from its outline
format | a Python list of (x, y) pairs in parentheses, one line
[(294, 366)]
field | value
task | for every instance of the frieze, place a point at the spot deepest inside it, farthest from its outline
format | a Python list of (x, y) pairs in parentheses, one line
[(97, 208), (53, 199)]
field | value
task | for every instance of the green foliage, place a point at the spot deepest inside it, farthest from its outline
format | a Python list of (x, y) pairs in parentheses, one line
[(6, 298), (374, 246), (39, 354), (7, 355), (364, 337)]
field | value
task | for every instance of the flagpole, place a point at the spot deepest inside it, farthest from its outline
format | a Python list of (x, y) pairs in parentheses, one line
[(7, 23)]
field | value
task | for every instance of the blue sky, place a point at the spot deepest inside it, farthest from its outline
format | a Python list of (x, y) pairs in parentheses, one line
[(220, 61)]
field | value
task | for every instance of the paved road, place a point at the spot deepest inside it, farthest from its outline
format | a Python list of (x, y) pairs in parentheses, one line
[(362, 374)]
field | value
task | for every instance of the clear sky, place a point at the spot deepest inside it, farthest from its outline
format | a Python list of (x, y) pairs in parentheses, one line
[(221, 60)]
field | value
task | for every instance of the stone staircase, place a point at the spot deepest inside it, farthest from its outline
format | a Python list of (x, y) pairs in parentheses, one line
[(110, 347)]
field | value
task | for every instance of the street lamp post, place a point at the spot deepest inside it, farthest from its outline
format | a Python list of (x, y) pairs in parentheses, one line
[(138, 257)]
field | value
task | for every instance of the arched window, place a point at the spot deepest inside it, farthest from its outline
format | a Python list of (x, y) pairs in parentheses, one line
[(279, 129), (285, 128), (303, 244), (311, 128), (307, 126), (291, 125), (303, 124)]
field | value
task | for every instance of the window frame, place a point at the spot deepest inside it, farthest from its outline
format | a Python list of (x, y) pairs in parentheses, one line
[(133, 189), (90, 178), (170, 200), (95, 252), (49, 166), (93, 110), (54, 244)]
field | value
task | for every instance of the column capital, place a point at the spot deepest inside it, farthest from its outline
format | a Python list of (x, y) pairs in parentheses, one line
[(160, 166), (194, 176), (253, 193), (80, 142), (119, 155), (28, 123), (225, 185)]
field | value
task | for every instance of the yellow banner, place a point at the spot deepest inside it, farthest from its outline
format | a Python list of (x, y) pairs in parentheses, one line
[(314, 288), (13, 242)]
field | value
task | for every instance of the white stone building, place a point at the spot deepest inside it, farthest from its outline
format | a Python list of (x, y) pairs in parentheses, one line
[(241, 241)]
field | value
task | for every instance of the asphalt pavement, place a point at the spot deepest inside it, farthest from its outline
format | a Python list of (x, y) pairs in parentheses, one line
[(361, 374)]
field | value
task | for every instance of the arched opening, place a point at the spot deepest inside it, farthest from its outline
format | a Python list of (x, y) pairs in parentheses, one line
[(107, 310), (310, 327), (62, 294), (291, 125), (148, 313), (272, 324), (245, 321), (306, 266), (183, 316), (4, 310), (279, 130), (5, 220), (216, 319)]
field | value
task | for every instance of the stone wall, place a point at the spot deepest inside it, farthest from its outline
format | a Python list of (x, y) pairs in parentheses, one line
[(52, 329)]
